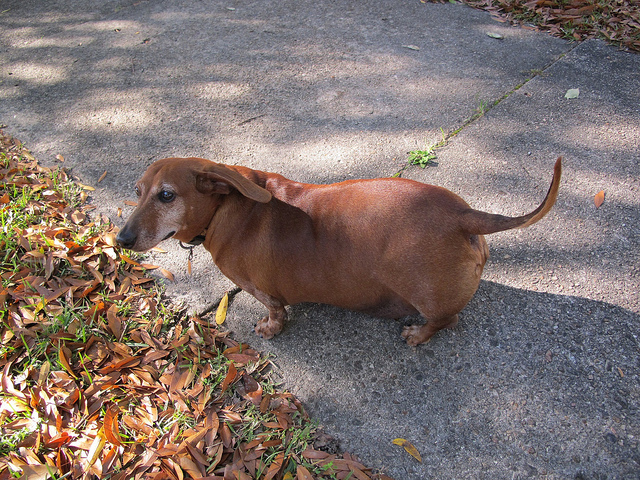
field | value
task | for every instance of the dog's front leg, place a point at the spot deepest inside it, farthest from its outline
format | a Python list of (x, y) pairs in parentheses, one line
[(273, 323)]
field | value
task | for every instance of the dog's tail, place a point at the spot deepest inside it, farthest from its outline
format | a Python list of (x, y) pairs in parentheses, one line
[(481, 223)]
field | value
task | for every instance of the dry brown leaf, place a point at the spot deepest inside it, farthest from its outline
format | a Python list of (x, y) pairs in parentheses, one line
[(62, 460), (115, 324), (78, 217), (275, 467), (45, 368), (190, 467), (215, 453), (58, 441), (110, 239), (231, 376), (38, 472), (120, 365), (242, 359), (272, 443), (102, 176), (284, 420), (64, 354), (111, 430), (109, 460), (598, 200), (314, 454), (265, 403), (167, 274), (129, 261), (359, 474), (225, 435), (253, 390)]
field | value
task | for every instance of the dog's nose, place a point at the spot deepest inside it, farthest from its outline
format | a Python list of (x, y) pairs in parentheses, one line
[(126, 238)]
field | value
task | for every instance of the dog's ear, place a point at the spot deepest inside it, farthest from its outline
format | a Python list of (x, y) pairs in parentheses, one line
[(208, 185), (219, 179)]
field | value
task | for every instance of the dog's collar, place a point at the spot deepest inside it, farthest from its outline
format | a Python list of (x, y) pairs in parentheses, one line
[(197, 240)]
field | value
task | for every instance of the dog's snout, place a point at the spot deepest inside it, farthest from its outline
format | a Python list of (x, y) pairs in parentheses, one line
[(126, 238)]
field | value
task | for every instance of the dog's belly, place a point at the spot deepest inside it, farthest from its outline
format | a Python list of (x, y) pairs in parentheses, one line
[(370, 297), (392, 308)]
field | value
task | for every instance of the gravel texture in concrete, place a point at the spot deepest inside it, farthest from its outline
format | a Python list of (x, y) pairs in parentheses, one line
[(541, 377)]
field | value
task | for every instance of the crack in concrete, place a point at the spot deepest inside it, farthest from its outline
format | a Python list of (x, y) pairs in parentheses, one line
[(482, 111)]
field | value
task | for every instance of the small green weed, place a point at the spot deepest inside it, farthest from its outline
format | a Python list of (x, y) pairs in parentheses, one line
[(9, 442), (426, 157), (422, 158)]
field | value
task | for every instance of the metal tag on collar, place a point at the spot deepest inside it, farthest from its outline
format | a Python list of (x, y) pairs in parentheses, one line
[(190, 248)]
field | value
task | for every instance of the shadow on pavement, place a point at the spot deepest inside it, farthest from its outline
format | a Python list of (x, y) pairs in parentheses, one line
[(530, 383)]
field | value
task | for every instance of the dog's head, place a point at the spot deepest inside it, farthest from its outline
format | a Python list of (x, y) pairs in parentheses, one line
[(177, 197)]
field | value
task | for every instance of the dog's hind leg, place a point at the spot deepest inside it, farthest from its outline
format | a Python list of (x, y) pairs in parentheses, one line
[(417, 334)]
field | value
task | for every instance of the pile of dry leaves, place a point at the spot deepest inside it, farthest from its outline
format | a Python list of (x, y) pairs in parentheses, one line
[(99, 380), (617, 21)]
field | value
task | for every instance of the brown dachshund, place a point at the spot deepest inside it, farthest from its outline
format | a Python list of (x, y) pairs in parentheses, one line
[(389, 247)]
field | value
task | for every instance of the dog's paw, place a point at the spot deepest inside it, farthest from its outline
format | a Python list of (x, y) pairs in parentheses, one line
[(415, 335), (266, 329)]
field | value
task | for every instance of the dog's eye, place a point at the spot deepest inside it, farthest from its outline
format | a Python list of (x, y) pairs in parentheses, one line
[(137, 190), (166, 196)]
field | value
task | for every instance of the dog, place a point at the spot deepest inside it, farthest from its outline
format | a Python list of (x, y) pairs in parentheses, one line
[(389, 247)]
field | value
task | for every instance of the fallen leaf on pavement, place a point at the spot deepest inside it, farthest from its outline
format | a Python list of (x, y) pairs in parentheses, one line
[(572, 93), (86, 187), (167, 274), (221, 312), (408, 446)]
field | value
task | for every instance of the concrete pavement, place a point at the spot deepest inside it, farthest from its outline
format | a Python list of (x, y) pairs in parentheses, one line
[(541, 377)]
